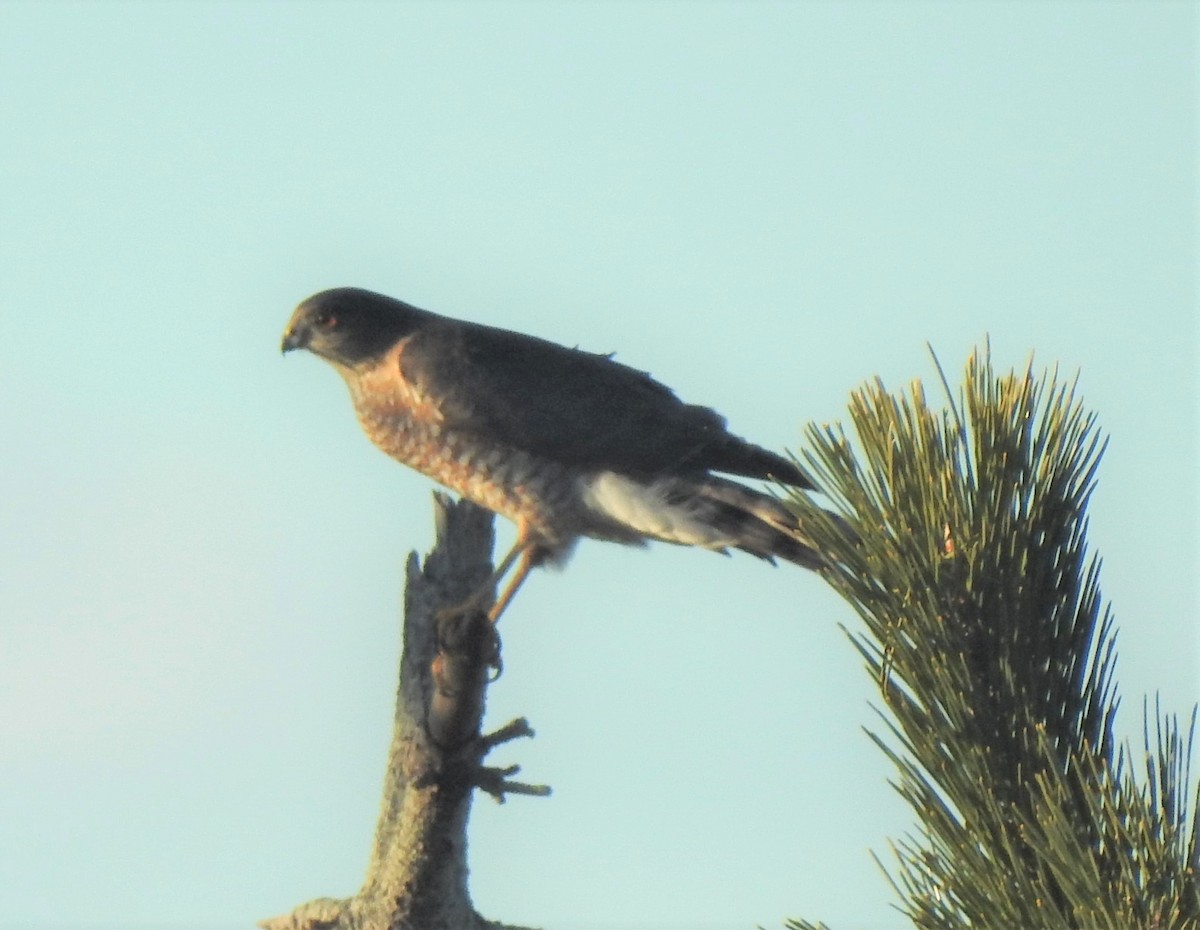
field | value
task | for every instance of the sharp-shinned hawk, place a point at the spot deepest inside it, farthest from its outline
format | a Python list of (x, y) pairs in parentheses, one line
[(563, 442)]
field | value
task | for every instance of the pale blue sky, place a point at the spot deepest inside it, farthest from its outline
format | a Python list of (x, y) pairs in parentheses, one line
[(762, 204)]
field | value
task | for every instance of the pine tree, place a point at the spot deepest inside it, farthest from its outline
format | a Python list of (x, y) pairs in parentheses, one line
[(987, 635)]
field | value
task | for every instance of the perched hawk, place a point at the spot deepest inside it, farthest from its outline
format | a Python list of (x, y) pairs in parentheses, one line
[(565, 443)]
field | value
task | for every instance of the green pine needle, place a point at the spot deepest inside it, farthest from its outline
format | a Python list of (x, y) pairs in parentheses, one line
[(987, 634)]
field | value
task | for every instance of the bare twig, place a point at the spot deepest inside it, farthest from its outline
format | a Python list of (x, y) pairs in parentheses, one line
[(417, 876)]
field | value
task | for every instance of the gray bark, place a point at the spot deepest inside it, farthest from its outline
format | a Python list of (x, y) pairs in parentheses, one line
[(417, 876)]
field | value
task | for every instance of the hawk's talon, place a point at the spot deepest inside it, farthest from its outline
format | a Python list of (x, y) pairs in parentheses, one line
[(475, 604), (450, 621), (467, 647)]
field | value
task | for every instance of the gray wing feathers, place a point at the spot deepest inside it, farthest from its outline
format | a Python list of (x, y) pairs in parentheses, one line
[(574, 407)]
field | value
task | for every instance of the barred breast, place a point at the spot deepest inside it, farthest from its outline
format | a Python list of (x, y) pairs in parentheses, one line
[(539, 496)]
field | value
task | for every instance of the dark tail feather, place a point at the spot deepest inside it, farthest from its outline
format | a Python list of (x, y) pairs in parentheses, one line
[(760, 524), (735, 456)]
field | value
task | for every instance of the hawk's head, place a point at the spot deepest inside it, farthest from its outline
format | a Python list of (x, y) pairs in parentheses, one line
[(348, 326)]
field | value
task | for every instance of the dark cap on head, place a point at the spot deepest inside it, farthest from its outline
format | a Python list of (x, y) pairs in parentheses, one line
[(349, 325)]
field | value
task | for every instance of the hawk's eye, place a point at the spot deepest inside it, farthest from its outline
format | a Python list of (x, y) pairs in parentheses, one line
[(324, 320)]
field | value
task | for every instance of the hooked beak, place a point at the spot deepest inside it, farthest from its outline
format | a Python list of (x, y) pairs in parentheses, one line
[(294, 339)]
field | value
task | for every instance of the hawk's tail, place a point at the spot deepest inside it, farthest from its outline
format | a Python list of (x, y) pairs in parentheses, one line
[(702, 510), (755, 522)]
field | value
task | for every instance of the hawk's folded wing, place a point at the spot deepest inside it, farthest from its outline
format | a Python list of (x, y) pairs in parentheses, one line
[(575, 407)]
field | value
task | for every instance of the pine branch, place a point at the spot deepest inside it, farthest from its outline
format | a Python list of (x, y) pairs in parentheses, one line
[(994, 653)]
